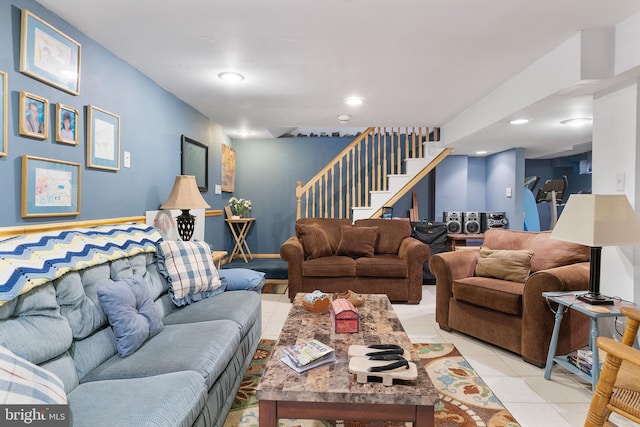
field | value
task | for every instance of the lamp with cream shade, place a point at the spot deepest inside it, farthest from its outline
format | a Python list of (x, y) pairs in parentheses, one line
[(597, 220), (185, 196)]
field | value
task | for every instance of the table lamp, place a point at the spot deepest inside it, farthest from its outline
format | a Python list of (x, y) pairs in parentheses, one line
[(184, 196), (597, 220)]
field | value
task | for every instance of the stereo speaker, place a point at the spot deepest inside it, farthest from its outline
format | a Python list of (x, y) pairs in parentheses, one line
[(471, 222), (453, 221), (493, 220)]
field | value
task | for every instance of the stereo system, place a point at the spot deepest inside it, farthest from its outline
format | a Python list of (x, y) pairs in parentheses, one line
[(473, 222), (453, 221), (492, 220)]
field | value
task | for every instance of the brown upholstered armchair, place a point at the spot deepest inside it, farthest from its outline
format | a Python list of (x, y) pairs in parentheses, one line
[(511, 313), (372, 256)]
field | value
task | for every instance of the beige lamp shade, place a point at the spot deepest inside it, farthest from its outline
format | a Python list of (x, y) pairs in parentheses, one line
[(598, 220), (185, 195)]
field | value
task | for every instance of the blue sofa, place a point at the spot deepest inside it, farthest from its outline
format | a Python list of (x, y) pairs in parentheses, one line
[(185, 375)]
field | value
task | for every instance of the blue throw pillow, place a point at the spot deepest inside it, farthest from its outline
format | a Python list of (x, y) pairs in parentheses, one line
[(131, 313), (242, 278)]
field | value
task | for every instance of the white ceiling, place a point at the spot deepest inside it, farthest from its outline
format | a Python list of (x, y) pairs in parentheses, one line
[(416, 62)]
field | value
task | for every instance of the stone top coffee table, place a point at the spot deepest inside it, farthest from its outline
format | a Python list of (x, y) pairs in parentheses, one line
[(330, 391)]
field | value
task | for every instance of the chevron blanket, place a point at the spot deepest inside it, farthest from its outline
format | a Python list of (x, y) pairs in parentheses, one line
[(33, 260)]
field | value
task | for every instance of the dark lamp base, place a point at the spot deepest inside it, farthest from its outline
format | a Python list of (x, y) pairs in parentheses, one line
[(186, 225), (595, 299)]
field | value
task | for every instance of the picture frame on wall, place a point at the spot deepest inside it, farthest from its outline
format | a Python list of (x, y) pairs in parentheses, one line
[(50, 187), (67, 120), (103, 139), (4, 96), (194, 160), (34, 116), (228, 168), (49, 55)]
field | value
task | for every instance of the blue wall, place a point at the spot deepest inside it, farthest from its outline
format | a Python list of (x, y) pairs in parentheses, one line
[(152, 121)]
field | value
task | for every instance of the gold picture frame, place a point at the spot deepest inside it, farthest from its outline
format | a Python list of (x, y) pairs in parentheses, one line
[(67, 124), (50, 187), (34, 116), (228, 168), (4, 96), (103, 139), (49, 55)]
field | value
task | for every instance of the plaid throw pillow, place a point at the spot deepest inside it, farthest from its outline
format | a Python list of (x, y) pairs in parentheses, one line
[(189, 268), (22, 382)]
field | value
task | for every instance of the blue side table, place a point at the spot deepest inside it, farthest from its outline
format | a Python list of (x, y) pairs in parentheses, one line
[(569, 300)]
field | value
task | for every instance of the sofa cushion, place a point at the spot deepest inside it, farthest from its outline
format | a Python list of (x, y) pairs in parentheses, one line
[(391, 233), (382, 266), (22, 382), (549, 253), (329, 266), (131, 313), (242, 307), (238, 279), (504, 264), (32, 327), (496, 294), (203, 347), (331, 226), (190, 270), (357, 241), (314, 240), (168, 400)]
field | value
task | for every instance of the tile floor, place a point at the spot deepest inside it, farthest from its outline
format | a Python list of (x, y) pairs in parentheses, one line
[(535, 402)]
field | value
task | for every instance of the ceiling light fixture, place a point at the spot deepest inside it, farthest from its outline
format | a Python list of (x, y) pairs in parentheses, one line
[(519, 121), (243, 133), (354, 100), (344, 118), (481, 152), (577, 122), (231, 77)]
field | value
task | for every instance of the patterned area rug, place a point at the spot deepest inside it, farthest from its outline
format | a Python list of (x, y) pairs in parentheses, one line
[(465, 400)]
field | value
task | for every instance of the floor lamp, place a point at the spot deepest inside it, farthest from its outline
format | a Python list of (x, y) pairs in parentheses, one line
[(185, 196), (597, 220)]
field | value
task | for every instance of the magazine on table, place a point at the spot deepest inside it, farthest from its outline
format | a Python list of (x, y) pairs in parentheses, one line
[(307, 355)]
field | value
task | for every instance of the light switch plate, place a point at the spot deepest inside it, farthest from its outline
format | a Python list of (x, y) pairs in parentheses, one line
[(508, 192), (127, 159), (218, 189)]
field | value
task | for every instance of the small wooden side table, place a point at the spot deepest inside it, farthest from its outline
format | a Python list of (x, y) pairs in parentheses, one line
[(459, 239), (217, 257), (569, 300), (239, 229)]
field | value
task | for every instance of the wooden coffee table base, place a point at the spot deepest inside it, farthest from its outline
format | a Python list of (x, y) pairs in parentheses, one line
[(271, 411)]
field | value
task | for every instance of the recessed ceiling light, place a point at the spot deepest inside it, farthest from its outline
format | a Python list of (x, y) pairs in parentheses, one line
[(354, 100), (481, 152), (519, 121), (344, 118), (243, 133), (231, 77), (577, 122)]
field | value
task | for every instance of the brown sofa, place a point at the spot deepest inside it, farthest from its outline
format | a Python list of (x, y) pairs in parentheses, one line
[(376, 256), (512, 314)]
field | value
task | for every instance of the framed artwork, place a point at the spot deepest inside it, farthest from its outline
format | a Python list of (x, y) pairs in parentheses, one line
[(34, 116), (67, 124), (228, 168), (103, 139), (3, 113), (195, 161), (49, 187), (49, 55)]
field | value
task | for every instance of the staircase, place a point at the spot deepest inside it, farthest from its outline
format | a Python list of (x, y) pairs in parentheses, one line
[(375, 170)]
